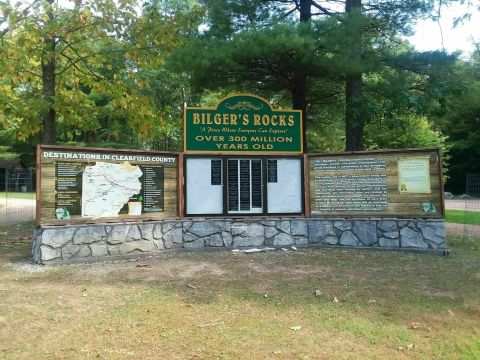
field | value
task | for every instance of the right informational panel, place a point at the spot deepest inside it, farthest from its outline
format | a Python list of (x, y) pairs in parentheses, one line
[(396, 183)]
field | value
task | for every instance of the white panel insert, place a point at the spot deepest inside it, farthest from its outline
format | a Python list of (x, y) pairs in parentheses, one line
[(285, 195), (201, 196)]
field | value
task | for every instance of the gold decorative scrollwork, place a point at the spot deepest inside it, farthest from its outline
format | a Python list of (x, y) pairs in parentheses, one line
[(244, 105)]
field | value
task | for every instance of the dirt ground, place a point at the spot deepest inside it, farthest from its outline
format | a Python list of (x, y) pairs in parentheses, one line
[(470, 205), (315, 303)]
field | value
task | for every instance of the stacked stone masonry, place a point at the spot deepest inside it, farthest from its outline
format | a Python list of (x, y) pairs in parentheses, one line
[(84, 242)]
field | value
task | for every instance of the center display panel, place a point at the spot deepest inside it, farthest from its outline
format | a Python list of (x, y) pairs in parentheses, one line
[(236, 186)]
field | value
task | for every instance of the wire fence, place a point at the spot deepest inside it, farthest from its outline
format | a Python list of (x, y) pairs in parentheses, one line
[(17, 196), (472, 207)]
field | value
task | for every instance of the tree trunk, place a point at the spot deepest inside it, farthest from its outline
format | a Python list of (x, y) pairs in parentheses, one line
[(353, 87), (48, 135), (299, 81), (299, 102)]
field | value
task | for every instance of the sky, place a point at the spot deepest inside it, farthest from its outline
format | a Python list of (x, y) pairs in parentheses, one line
[(428, 36)]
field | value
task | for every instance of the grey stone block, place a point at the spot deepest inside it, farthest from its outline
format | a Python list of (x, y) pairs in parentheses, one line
[(113, 250), (411, 238), (118, 234), (157, 231), (251, 230), (227, 238), (189, 237), (349, 239), (49, 253), (402, 223), (388, 225), (299, 227), (268, 223), (173, 239), (99, 249), (247, 241), (68, 251), (202, 229), (365, 231), (330, 240), (140, 245), (146, 231), (283, 239), (76, 251), (89, 234), (166, 227), (224, 225), (238, 228), (196, 244), (174, 235), (318, 230), (283, 226), (343, 225), (56, 238), (299, 240), (270, 232), (215, 240), (391, 234), (159, 245), (134, 233), (390, 243), (433, 231)]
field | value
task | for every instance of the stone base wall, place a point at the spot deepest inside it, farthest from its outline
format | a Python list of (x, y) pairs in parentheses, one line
[(90, 242)]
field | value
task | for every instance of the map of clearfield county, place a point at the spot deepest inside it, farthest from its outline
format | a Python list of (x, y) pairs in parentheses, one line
[(107, 188)]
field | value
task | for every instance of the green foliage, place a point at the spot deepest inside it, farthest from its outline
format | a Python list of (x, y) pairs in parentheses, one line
[(459, 117), (408, 132)]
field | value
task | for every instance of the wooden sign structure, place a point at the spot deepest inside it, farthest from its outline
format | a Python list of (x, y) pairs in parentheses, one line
[(242, 124), (78, 185), (398, 183)]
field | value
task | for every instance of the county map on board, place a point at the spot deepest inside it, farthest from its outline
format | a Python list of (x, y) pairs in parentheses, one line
[(107, 187)]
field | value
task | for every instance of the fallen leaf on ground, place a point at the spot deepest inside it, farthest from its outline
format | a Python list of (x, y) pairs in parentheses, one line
[(372, 301), (335, 300), (418, 326), (143, 265)]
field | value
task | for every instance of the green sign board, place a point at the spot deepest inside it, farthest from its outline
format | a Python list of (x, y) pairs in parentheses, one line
[(242, 124)]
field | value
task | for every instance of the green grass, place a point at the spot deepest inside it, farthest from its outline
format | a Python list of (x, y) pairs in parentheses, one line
[(212, 305), (462, 217), (17, 195)]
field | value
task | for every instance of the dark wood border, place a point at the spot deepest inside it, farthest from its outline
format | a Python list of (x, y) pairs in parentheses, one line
[(225, 213), (106, 220), (38, 187), (442, 183), (85, 149), (306, 185)]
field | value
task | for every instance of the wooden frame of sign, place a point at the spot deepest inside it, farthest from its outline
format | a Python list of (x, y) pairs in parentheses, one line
[(59, 181), (405, 183)]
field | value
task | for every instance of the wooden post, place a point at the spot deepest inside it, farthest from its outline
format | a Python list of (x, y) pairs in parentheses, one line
[(306, 179), (440, 169), (180, 192), (38, 190)]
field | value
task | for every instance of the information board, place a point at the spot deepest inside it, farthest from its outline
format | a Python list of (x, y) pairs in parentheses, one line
[(397, 183), (242, 124), (81, 184)]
